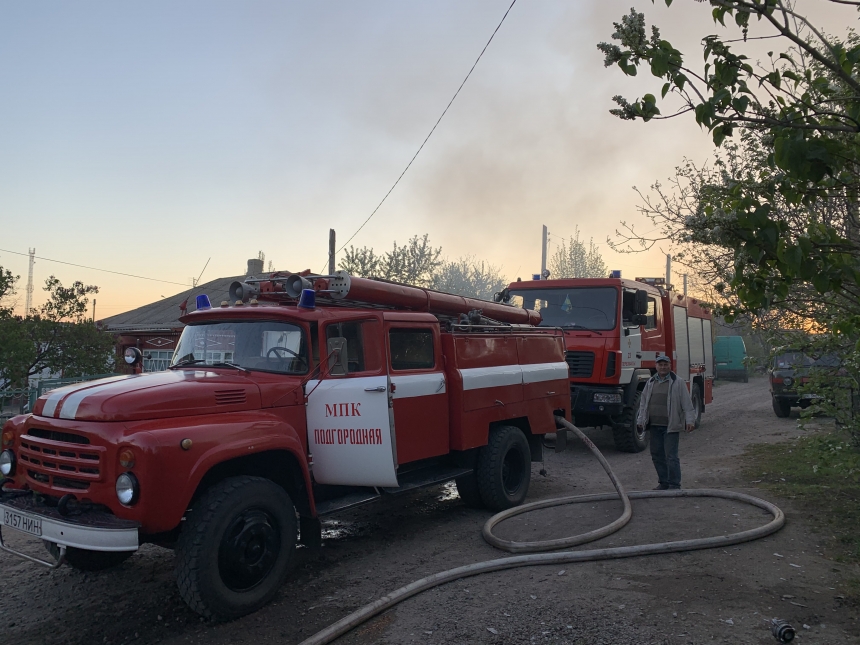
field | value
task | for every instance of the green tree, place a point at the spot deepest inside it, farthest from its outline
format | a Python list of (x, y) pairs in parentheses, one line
[(575, 259), (56, 337), (7, 290), (772, 223)]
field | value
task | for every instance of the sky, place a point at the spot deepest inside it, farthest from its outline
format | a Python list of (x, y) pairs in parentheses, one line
[(150, 138)]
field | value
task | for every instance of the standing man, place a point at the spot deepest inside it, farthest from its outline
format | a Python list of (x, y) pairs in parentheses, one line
[(665, 409)]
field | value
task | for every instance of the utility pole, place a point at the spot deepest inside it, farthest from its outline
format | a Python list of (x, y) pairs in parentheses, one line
[(543, 255), (94, 311), (685, 284), (29, 299), (668, 271), (332, 245)]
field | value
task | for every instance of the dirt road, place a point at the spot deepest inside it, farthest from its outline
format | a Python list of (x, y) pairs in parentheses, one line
[(714, 596)]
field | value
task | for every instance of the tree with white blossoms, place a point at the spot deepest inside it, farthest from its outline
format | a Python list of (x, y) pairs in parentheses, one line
[(576, 259)]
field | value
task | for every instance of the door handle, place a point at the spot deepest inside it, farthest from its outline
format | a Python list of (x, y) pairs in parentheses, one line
[(378, 388), (441, 385)]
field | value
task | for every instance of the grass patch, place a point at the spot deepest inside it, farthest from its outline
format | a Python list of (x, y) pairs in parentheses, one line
[(820, 473)]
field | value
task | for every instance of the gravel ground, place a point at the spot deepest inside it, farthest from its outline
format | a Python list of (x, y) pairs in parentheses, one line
[(713, 596)]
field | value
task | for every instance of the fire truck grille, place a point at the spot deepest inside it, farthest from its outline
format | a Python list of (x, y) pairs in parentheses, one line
[(61, 460), (229, 397), (580, 364)]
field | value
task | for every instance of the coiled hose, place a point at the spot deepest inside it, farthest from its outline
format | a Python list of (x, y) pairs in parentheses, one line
[(536, 558)]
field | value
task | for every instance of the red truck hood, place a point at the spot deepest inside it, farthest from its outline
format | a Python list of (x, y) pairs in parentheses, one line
[(181, 392)]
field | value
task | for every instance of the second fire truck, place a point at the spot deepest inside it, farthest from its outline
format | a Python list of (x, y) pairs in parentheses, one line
[(613, 330)]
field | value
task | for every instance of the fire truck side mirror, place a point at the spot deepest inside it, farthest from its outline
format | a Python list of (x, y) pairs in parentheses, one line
[(641, 306), (337, 357), (640, 319)]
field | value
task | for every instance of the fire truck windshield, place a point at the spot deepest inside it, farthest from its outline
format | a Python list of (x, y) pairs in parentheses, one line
[(260, 346), (590, 308)]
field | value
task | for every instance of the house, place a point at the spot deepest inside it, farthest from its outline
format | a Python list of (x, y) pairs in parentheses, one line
[(155, 328)]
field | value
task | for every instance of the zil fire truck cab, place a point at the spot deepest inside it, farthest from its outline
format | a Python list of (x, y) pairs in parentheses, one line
[(307, 395), (613, 330)]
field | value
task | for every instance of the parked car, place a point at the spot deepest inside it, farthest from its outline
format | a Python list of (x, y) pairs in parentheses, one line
[(730, 358), (792, 369)]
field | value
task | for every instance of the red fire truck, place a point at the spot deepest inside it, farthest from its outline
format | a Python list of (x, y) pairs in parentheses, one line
[(613, 330), (306, 396)]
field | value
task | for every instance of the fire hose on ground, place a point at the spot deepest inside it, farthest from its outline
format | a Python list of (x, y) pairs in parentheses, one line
[(536, 550)]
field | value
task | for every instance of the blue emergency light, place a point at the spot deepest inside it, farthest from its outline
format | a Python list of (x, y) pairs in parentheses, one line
[(615, 273), (308, 299), (203, 302)]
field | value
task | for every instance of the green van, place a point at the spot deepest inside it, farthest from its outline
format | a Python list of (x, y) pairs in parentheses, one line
[(730, 358)]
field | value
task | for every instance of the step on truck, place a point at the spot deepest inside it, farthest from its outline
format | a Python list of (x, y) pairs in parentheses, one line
[(613, 330), (305, 396)]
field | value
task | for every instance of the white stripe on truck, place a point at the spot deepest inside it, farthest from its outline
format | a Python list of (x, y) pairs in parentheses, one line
[(477, 378)]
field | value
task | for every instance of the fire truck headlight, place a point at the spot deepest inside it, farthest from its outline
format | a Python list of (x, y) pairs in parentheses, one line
[(127, 489), (7, 462), (601, 397)]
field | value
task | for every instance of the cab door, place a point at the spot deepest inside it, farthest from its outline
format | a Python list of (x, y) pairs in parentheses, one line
[(350, 435), (420, 398)]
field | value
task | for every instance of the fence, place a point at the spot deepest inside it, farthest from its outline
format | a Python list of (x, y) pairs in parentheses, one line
[(20, 400)]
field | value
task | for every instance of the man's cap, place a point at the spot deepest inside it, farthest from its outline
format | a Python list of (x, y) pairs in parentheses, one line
[(663, 357)]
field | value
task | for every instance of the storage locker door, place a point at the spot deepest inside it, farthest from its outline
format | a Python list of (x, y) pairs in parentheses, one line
[(709, 348), (697, 343), (682, 345)]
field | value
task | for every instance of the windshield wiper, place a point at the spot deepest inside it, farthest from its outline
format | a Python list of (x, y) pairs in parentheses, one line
[(233, 365), (197, 361), (188, 361), (581, 327)]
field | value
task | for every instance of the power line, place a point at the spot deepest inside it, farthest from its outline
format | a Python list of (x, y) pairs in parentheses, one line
[(432, 130), (81, 266)]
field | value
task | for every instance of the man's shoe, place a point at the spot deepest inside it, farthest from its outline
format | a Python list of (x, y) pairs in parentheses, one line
[(662, 487)]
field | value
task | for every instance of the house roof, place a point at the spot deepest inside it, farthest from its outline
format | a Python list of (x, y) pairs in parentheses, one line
[(163, 315)]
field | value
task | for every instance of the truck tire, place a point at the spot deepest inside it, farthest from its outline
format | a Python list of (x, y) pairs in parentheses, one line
[(781, 408), (470, 493), (235, 547), (696, 398), (627, 437), (504, 469), (86, 560)]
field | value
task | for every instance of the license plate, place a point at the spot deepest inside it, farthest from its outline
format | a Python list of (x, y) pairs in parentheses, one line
[(24, 523), (810, 396)]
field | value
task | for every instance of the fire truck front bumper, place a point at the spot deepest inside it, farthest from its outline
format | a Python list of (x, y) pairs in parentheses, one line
[(596, 401), (94, 530)]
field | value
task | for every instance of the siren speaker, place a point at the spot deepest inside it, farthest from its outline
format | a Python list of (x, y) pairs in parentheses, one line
[(243, 291), (295, 284)]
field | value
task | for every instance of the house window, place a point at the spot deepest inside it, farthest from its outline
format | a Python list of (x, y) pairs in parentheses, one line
[(156, 360)]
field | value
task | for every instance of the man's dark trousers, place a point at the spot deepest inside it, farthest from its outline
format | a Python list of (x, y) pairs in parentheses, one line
[(664, 454)]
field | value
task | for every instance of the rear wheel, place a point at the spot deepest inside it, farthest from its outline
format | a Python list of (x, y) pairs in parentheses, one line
[(627, 436), (781, 408), (235, 547), (696, 398), (86, 560), (504, 469)]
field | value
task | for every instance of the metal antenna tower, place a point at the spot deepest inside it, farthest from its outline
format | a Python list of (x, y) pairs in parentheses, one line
[(29, 299)]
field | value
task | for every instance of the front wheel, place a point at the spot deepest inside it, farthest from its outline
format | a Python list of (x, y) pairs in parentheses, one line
[(235, 547), (781, 408), (504, 469), (627, 435)]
